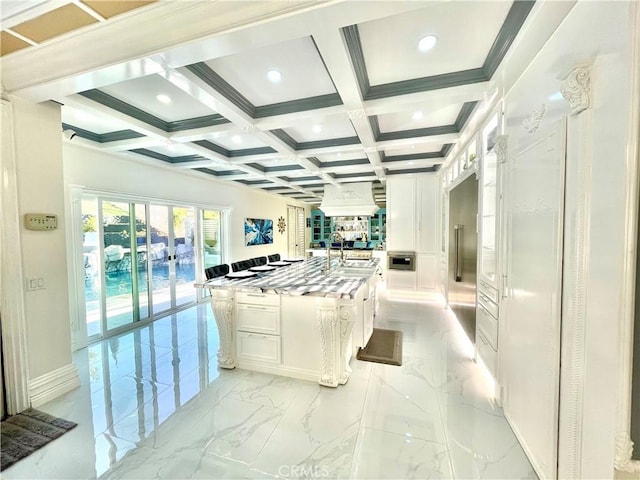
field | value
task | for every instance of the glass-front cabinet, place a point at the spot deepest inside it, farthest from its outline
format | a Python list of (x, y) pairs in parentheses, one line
[(489, 178), (378, 227), (320, 226)]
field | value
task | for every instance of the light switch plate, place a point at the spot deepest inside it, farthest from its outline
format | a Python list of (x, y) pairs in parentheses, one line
[(40, 221)]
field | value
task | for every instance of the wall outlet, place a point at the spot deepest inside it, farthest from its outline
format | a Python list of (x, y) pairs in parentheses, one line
[(35, 284)]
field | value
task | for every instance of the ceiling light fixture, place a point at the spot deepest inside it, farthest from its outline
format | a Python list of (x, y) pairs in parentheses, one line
[(317, 128), (162, 98), (236, 139), (274, 75), (417, 115), (427, 43)]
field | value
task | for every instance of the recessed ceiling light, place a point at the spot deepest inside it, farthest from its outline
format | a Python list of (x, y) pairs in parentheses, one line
[(427, 43), (317, 129), (163, 98), (417, 115), (274, 75), (236, 139), (410, 163)]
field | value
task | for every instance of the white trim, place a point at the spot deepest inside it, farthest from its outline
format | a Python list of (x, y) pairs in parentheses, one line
[(286, 371), (574, 295), (53, 384), (12, 306), (75, 270), (624, 443), (129, 197)]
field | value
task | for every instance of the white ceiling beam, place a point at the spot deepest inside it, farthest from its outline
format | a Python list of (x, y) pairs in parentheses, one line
[(334, 53), (98, 110)]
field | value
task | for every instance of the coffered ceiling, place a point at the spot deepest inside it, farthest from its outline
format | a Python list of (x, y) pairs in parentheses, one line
[(331, 92)]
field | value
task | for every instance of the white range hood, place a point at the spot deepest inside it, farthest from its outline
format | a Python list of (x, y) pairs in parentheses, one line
[(349, 199)]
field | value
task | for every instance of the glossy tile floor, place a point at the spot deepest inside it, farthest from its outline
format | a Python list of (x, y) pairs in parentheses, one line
[(154, 405)]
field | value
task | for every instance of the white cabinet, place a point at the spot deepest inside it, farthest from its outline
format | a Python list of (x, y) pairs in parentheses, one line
[(257, 347), (489, 207), (488, 304), (401, 214), (488, 326), (365, 302), (427, 271), (258, 327), (427, 215), (413, 225)]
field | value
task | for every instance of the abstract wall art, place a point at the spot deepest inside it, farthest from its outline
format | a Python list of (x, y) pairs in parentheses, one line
[(258, 231)]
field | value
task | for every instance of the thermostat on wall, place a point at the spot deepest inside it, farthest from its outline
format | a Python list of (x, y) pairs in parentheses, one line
[(40, 221)]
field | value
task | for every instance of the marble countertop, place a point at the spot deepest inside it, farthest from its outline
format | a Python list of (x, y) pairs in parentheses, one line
[(305, 277)]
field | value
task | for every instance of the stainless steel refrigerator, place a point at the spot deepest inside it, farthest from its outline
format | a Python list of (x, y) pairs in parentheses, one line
[(463, 253)]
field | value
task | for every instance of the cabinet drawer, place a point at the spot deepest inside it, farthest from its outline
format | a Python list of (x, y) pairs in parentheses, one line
[(488, 291), (488, 304), (488, 324), (488, 354), (258, 347), (258, 298), (258, 318)]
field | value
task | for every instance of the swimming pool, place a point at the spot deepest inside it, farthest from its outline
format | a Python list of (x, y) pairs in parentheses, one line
[(120, 283)]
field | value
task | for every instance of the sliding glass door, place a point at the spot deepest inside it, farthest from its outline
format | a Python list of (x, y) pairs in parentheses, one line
[(140, 259), (173, 257)]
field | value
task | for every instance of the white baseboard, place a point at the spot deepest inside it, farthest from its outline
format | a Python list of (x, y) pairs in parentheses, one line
[(283, 370), (53, 384)]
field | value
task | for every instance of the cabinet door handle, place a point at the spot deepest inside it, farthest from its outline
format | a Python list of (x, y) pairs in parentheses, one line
[(504, 286), (256, 307)]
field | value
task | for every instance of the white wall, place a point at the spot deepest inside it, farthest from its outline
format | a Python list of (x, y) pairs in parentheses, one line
[(98, 170), (41, 190)]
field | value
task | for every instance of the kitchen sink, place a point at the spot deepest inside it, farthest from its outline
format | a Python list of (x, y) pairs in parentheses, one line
[(345, 271)]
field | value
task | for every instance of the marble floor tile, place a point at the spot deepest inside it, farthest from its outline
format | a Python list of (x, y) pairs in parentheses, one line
[(385, 455), (319, 430), (154, 404)]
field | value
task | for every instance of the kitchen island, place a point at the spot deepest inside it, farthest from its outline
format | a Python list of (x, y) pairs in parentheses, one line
[(300, 320)]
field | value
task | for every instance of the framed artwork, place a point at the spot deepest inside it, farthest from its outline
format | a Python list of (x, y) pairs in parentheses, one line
[(258, 231)]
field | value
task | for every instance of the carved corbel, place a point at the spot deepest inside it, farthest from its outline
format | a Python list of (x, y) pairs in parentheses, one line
[(347, 320), (327, 317), (624, 452), (500, 148), (222, 306), (531, 123), (576, 89)]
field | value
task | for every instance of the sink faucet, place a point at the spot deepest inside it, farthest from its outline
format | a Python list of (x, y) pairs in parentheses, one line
[(341, 240)]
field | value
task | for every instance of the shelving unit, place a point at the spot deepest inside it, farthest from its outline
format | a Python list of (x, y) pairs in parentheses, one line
[(352, 228)]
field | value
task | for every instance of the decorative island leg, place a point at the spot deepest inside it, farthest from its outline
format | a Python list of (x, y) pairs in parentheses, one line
[(222, 306), (347, 319), (327, 316)]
